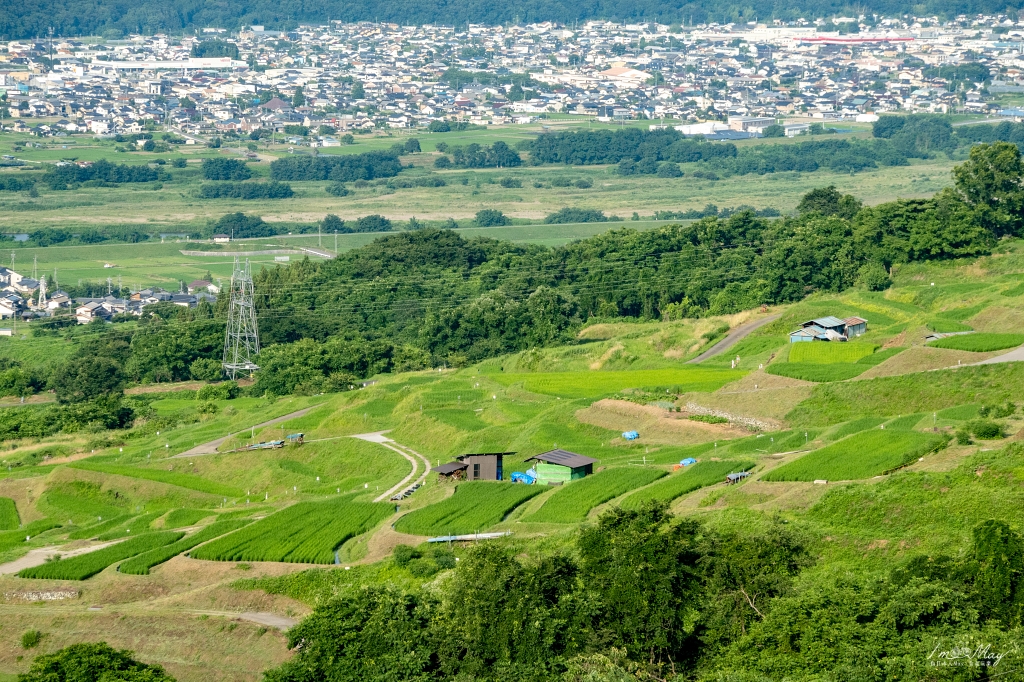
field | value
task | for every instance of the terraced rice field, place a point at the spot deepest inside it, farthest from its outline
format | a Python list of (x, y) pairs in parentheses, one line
[(573, 501), (680, 483), (862, 455), (475, 506), (140, 565), (594, 383), (85, 566), (307, 532)]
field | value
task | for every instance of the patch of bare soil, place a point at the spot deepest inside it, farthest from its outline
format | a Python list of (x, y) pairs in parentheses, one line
[(655, 424)]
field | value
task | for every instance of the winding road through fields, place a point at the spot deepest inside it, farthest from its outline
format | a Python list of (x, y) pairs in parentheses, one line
[(741, 332), (411, 455)]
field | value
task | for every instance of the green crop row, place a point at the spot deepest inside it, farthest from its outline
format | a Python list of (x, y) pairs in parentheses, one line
[(809, 371), (169, 477), (140, 565), (12, 538), (862, 455), (87, 565), (475, 506), (134, 526), (307, 532), (979, 343), (180, 518), (856, 426), (8, 514), (574, 500), (692, 478)]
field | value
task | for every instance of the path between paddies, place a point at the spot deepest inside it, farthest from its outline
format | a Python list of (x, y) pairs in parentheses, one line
[(37, 557), (405, 451), (210, 448), (732, 339)]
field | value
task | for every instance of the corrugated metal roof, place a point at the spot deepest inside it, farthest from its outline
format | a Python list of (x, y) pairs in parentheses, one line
[(485, 454), (450, 468), (826, 322), (563, 458), (850, 321)]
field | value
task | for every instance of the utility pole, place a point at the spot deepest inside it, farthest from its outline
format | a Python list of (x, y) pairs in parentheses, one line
[(241, 339), (35, 268)]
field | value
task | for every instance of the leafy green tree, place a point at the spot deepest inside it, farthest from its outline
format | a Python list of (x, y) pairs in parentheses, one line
[(642, 571), (829, 201), (991, 182), (490, 217), (84, 378), (92, 663), (774, 130), (998, 569), (357, 90), (206, 369)]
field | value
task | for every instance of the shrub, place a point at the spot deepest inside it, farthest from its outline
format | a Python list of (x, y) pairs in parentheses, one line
[(985, 429), (179, 163), (206, 369), (963, 437), (669, 170), (373, 223), (337, 189), (442, 162), (575, 215), (31, 638), (490, 217), (708, 419), (511, 183), (91, 663), (583, 183), (873, 277), (226, 390), (403, 554)]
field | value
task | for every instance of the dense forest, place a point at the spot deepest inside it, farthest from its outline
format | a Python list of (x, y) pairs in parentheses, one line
[(116, 17)]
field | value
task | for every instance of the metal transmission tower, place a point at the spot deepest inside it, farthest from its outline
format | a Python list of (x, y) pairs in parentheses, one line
[(241, 341)]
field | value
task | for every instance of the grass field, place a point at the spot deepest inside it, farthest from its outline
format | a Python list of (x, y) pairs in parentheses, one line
[(140, 564), (475, 506), (9, 519), (307, 532), (179, 518), (979, 342), (169, 477), (596, 384), (826, 362), (862, 455), (679, 483), (573, 501), (85, 566)]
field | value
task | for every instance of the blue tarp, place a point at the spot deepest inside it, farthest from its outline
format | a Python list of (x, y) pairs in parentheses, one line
[(688, 461), (630, 435), (520, 477)]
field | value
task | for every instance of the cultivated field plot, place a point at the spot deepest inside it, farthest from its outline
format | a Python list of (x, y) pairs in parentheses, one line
[(831, 363), (307, 532), (170, 477), (829, 353), (87, 565), (863, 455), (475, 506), (8, 514), (692, 478), (980, 342), (595, 384), (98, 528), (140, 565), (572, 502)]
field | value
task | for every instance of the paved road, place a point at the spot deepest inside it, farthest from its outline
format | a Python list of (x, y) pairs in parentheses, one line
[(405, 451), (735, 337), (259, 617), (1015, 355), (211, 447)]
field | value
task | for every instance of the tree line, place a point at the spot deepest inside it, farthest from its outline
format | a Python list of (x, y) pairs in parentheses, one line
[(341, 168), (81, 18), (60, 177)]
